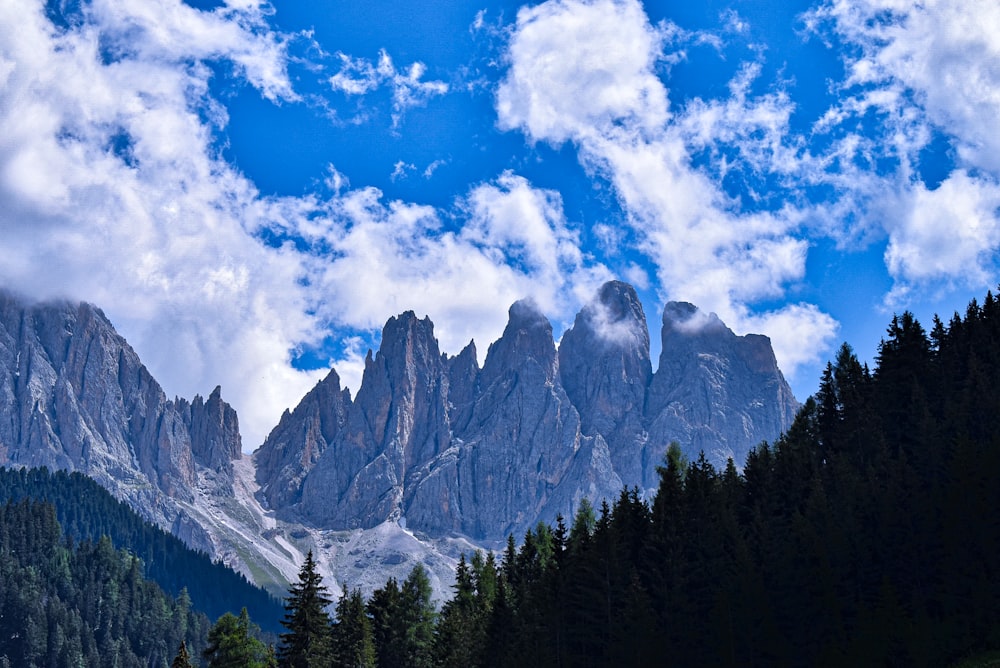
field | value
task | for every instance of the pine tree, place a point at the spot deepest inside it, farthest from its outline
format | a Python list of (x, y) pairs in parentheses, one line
[(307, 643), (353, 643), (182, 660), (419, 613), (460, 631), (388, 626)]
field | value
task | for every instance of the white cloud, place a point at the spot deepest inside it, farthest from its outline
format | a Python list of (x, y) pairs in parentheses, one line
[(586, 72), (388, 257), (788, 327), (580, 69), (162, 239), (950, 231), (944, 52), (922, 68), (359, 76), (401, 169), (433, 167), (175, 32)]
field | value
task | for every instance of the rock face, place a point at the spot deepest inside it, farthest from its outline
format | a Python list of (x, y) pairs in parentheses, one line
[(296, 444), (714, 391), (604, 366), (521, 456), (74, 395), (430, 441), (441, 444), (454, 449)]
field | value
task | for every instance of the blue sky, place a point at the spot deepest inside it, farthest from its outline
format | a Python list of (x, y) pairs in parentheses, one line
[(249, 190)]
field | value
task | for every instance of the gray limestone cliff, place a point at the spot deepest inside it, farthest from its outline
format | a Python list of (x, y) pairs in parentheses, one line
[(398, 420), (452, 449), (301, 437), (520, 457), (714, 391), (437, 443), (74, 395), (604, 367)]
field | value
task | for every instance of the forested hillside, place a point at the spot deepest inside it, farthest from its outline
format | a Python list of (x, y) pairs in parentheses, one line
[(868, 534), (82, 605), (86, 511)]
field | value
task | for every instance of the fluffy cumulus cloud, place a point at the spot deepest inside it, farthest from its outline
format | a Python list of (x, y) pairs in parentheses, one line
[(926, 68), (587, 72), (112, 192), (395, 256), (949, 232), (581, 69)]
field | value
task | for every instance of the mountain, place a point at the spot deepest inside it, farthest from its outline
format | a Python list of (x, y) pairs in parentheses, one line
[(604, 367), (714, 391), (434, 456), (443, 447), (75, 396)]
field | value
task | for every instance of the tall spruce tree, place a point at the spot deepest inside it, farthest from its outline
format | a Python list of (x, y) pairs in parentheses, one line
[(388, 626), (460, 630), (353, 644), (420, 616), (307, 643)]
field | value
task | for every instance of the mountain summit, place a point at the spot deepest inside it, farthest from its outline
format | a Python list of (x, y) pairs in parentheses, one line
[(432, 445), (74, 395), (447, 448)]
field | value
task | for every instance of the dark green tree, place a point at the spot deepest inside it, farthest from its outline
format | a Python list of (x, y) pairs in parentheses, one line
[(420, 616), (403, 620), (459, 634), (353, 643), (388, 625), (182, 659), (233, 643), (307, 642)]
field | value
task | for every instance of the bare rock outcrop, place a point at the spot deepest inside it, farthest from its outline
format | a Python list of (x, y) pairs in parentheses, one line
[(74, 395)]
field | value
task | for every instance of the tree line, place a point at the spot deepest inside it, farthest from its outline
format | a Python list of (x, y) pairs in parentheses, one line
[(82, 604), (867, 534)]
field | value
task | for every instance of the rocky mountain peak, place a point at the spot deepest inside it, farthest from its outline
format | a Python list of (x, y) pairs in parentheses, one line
[(398, 419), (74, 395), (605, 369), (463, 378), (526, 340), (293, 447), (617, 314), (715, 391), (682, 319), (215, 431)]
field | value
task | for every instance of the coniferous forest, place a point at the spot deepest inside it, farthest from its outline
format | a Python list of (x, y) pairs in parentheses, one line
[(85, 604), (868, 534), (87, 511)]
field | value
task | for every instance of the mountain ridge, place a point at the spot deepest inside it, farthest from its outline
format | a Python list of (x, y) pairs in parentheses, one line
[(434, 440), (432, 452)]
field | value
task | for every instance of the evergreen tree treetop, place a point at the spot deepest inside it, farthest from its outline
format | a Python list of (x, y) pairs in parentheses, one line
[(307, 642)]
